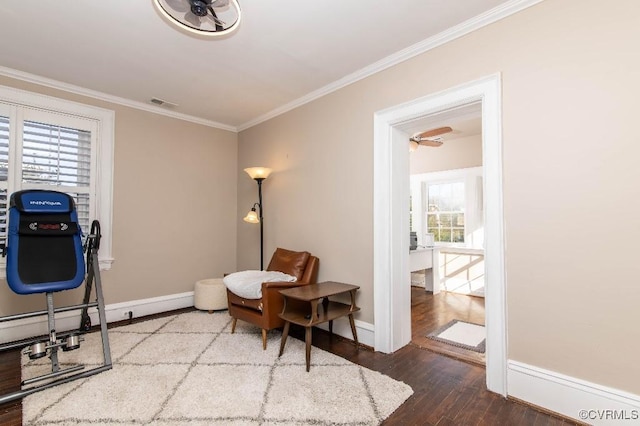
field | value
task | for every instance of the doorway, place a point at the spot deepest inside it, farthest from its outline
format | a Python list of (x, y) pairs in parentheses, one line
[(392, 297), (447, 298)]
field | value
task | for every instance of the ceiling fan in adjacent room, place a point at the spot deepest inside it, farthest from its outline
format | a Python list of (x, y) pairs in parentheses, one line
[(428, 138), (203, 17)]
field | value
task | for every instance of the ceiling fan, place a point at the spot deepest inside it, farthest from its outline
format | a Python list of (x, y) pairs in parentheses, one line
[(203, 17), (428, 137)]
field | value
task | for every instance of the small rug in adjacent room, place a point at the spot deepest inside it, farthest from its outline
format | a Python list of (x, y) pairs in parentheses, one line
[(461, 334), (189, 369)]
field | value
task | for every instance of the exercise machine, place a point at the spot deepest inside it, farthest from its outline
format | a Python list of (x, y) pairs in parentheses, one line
[(46, 254)]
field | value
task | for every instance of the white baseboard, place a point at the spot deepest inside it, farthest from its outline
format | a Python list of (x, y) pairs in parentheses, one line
[(575, 398), (36, 326), (144, 307), (364, 329), (24, 328)]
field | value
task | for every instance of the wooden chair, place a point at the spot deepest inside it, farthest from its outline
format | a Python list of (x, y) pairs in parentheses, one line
[(264, 312)]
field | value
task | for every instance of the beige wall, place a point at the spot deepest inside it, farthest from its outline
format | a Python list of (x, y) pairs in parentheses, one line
[(569, 69), (174, 198), (454, 154)]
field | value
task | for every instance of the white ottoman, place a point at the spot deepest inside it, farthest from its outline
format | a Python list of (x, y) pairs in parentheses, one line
[(210, 295)]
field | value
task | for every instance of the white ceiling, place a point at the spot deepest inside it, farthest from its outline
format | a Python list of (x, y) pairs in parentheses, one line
[(283, 51)]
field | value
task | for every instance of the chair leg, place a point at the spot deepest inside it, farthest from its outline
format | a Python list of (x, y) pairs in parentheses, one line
[(233, 325), (264, 339)]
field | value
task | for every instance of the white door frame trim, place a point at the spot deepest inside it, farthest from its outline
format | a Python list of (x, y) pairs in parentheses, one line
[(392, 307)]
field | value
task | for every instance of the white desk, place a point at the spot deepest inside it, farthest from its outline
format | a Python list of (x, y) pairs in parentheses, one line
[(426, 258)]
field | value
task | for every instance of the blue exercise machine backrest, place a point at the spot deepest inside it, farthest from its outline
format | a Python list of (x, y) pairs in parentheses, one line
[(44, 243)]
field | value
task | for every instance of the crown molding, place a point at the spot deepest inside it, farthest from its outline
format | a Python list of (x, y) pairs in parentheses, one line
[(55, 84), (489, 17), (500, 12)]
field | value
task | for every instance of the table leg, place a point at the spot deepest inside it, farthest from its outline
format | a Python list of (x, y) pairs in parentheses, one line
[(353, 329), (283, 340), (331, 327), (307, 341)]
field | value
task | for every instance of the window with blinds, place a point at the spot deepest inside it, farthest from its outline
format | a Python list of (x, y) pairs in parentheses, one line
[(4, 175), (53, 155), (50, 143), (45, 154)]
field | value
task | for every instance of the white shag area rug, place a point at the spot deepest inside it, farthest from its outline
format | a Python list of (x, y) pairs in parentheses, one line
[(189, 369)]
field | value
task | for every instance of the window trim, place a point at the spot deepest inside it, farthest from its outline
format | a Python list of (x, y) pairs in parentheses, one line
[(105, 122), (426, 206), (472, 178)]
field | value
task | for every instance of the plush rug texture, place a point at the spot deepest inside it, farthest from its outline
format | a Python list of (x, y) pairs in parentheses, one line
[(461, 334), (189, 369)]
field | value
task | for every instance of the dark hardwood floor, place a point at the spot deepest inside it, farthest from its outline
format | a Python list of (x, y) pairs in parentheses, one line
[(10, 413), (431, 311), (447, 391)]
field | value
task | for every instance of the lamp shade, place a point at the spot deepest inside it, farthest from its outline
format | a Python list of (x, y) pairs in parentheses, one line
[(258, 172), (413, 145), (252, 217)]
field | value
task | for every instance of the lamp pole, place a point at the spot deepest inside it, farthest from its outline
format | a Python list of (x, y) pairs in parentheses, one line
[(259, 180), (258, 174)]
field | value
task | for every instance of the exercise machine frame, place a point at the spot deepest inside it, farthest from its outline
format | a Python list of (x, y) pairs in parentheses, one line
[(68, 340)]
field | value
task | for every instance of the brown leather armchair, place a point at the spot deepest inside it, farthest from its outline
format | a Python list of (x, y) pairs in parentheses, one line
[(264, 312)]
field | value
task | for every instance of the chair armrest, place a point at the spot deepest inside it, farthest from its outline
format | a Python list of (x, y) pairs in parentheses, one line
[(281, 284)]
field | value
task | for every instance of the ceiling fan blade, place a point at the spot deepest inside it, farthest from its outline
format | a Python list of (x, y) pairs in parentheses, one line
[(217, 22), (219, 3), (192, 19), (178, 5), (434, 132), (428, 142)]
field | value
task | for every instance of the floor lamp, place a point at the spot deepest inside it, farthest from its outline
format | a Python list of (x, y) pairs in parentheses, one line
[(258, 174)]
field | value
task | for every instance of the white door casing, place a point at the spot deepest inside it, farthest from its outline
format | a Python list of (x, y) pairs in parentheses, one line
[(392, 300)]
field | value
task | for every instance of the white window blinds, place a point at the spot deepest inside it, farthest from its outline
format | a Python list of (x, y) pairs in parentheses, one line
[(54, 155), (55, 144), (4, 173), (4, 148), (46, 150)]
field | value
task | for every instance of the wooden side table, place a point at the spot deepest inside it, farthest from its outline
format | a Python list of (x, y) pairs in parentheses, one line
[(301, 308)]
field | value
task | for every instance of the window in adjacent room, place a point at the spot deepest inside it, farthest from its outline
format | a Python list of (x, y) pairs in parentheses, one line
[(448, 204), (445, 211), (49, 143)]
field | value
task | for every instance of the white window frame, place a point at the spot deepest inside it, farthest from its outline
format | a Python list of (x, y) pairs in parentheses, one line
[(464, 211), (101, 204), (473, 213)]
